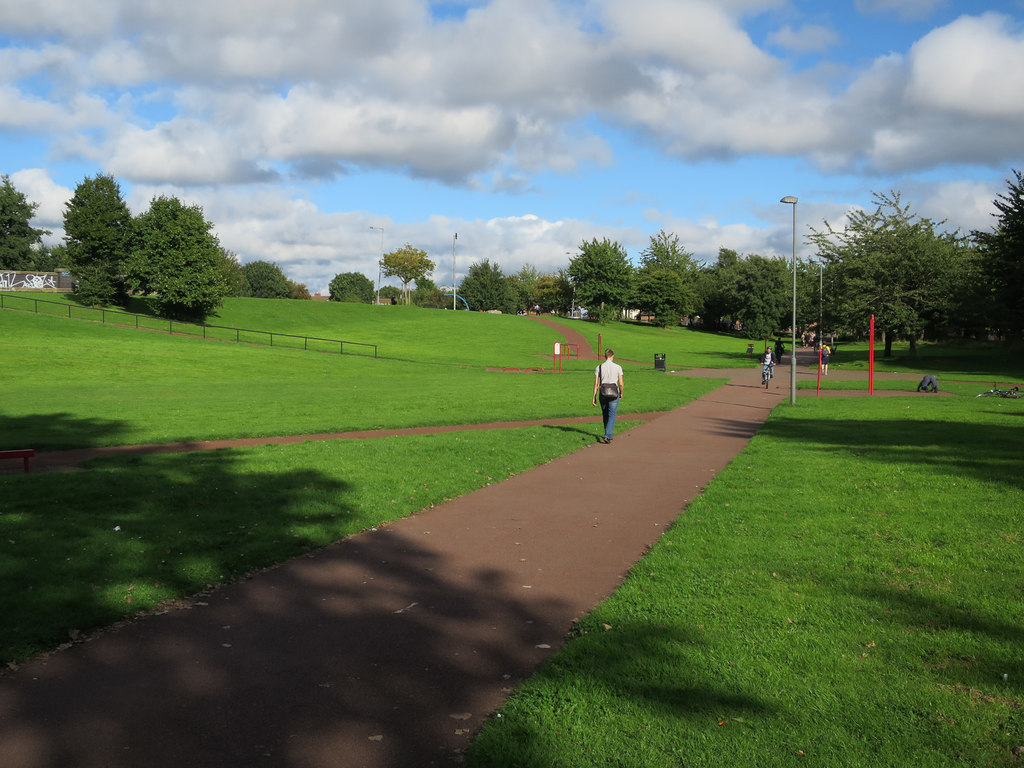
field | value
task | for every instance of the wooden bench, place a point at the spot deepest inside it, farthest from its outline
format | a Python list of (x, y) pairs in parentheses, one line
[(24, 454)]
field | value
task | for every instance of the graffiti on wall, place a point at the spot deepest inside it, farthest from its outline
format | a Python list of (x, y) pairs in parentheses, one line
[(27, 280)]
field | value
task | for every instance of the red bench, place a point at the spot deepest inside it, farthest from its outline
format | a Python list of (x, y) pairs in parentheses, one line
[(24, 454)]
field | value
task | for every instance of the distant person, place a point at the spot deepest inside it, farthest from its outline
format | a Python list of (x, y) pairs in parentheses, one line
[(608, 390), (928, 384), (768, 362), (825, 352)]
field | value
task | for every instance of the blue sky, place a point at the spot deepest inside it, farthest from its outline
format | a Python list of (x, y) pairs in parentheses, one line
[(527, 126)]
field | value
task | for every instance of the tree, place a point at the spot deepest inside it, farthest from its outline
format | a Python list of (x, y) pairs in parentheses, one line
[(266, 280), (407, 264), (18, 238), (664, 252), (176, 256), (662, 293), (298, 291), (1002, 260), (485, 287), (50, 258), (601, 274), (525, 284), (717, 300), (231, 272), (895, 265), (97, 229), (554, 293), (352, 287), (664, 284), (762, 295), (427, 294)]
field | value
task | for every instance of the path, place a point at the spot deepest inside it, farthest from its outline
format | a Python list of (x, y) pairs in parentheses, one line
[(390, 648)]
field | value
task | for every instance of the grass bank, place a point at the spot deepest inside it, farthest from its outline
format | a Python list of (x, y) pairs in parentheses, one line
[(848, 592)]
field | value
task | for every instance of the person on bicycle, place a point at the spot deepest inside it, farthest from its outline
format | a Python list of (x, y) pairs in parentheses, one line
[(768, 363)]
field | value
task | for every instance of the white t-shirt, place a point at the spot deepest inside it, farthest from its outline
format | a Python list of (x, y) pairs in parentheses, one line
[(609, 372)]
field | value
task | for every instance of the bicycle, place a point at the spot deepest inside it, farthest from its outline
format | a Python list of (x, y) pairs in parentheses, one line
[(1012, 394), (766, 375)]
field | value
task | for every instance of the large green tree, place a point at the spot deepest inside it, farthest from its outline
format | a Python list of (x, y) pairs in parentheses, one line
[(407, 264), (553, 293), (18, 238), (601, 274), (176, 256), (485, 287), (266, 280), (896, 265), (97, 230), (717, 300), (763, 294), (1002, 259), (352, 287), (664, 284)]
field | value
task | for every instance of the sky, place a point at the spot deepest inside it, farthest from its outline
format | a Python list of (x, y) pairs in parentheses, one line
[(317, 133)]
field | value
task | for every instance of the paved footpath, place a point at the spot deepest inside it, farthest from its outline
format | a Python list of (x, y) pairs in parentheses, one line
[(390, 648)]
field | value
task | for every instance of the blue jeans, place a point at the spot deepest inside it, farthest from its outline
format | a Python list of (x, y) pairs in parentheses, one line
[(608, 410)]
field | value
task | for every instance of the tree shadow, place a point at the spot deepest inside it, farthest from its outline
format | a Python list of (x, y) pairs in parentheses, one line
[(375, 650), (57, 431), (988, 452)]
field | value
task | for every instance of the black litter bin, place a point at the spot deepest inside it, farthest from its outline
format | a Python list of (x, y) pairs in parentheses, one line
[(659, 362)]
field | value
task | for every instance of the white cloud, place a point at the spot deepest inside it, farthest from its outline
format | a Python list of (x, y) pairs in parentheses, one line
[(50, 197), (973, 67)]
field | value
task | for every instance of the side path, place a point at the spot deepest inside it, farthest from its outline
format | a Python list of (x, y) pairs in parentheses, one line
[(388, 649)]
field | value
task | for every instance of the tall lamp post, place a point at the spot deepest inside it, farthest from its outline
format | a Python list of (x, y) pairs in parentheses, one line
[(454, 291), (379, 263), (790, 200), (821, 296)]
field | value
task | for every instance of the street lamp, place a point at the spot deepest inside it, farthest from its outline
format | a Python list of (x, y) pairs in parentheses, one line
[(821, 295), (453, 271), (381, 262), (790, 200)]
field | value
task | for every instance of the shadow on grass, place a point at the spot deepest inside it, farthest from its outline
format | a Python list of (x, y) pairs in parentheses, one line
[(957, 644), (988, 452), (367, 650), (606, 673), (58, 431)]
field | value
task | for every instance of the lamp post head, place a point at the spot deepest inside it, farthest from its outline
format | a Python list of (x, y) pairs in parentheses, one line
[(788, 199)]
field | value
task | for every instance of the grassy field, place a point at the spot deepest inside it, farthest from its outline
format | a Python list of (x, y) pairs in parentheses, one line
[(451, 338), (91, 548), (848, 592)]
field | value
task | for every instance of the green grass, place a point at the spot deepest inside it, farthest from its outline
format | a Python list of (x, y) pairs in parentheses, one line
[(71, 384), (452, 338), (82, 550), (984, 361), (848, 592)]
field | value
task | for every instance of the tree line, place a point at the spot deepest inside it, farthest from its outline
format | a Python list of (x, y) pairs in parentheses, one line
[(917, 278), (168, 252)]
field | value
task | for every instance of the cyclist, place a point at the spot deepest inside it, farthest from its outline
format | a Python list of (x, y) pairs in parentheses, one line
[(767, 364)]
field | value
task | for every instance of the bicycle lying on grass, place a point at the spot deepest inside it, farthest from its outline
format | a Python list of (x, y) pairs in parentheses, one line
[(1013, 393)]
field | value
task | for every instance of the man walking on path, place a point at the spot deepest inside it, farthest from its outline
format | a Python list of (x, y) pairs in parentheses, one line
[(608, 388)]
